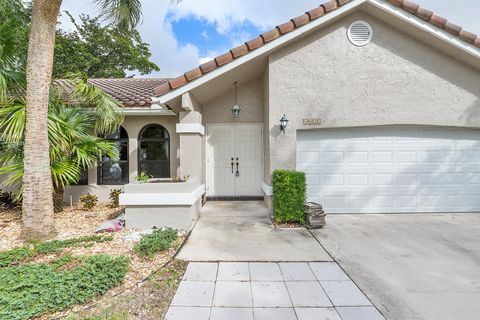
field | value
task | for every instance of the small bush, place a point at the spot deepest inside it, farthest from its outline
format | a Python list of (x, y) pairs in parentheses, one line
[(31, 290), (142, 177), (89, 201), (158, 240), (289, 196), (115, 197), (7, 200)]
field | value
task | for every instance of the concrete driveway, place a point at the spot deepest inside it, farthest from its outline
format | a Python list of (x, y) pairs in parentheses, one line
[(411, 266)]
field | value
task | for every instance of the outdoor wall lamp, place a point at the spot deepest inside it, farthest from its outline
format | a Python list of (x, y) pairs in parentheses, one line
[(283, 123), (235, 109)]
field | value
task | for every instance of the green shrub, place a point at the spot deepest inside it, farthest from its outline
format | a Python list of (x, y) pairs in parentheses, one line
[(289, 196), (22, 254), (89, 201), (158, 240), (142, 177), (31, 290), (115, 197)]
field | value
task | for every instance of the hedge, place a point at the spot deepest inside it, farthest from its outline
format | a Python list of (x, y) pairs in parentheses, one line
[(289, 196)]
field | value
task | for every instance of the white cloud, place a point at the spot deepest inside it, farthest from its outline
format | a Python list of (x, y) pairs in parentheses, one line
[(227, 13), (175, 59)]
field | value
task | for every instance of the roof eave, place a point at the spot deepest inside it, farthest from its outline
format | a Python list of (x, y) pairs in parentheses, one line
[(260, 52), (471, 50)]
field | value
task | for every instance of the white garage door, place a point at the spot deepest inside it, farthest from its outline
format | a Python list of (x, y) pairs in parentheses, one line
[(392, 169)]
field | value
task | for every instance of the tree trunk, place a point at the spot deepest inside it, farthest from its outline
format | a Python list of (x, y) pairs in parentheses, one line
[(58, 202), (37, 210)]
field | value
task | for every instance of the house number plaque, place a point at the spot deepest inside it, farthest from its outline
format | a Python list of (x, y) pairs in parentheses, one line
[(312, 121)]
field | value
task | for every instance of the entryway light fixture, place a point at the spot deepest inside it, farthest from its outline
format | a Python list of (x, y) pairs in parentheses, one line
[(283, 123), (235, 109)]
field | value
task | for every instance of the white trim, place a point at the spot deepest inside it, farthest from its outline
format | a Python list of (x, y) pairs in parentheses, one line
[(148, 111), (265, 49), (268, 190), (427, 26), (162, 199), (190, 128), (269, 47)]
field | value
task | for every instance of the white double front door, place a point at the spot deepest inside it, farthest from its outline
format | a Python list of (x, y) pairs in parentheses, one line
[(234, 160)]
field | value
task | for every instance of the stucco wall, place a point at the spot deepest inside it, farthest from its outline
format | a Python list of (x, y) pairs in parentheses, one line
[(249, 98), (133, 125), (393, 80)]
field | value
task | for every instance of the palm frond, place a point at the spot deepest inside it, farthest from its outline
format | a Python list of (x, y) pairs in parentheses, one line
[(108, 110), (125, 14), (12, 123), (64, 172)]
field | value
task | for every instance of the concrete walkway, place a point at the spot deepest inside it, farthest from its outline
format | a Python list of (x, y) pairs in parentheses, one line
[(269, 291), (242, 231)]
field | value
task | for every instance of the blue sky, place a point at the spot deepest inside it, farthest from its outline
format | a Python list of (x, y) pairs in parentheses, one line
[(185, 35), (208, 39)]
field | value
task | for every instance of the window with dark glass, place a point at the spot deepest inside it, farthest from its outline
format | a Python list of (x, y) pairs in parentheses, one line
[(154, 151), (115, 172)]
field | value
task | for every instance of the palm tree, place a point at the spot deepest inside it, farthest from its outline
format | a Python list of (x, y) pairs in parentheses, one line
[(72, 134), (72, 131), (37, 208)]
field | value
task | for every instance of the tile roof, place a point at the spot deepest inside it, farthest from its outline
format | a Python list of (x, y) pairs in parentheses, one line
[(132, 92), (299, 21)]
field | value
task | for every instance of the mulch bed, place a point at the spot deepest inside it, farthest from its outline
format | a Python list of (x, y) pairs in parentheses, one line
[(149, 300), (76, 222)]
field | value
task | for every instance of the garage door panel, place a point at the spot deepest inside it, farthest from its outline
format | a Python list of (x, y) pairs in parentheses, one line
[(392, 169)]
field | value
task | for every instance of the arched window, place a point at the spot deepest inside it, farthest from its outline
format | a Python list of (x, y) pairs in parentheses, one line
[(115, 172), (154, 151)]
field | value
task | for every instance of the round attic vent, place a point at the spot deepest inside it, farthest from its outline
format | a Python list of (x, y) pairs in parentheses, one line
[(360, 33)]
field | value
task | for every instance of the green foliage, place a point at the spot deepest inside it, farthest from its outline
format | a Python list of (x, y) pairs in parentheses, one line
[(158, 240), (31, 290), (142, 177), (19, 255), (94, 48), (100, 51), (289, 196), (17, 15), (89, 201), (16, 256), (115, 197)]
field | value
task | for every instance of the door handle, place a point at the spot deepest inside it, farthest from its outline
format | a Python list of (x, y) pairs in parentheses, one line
[(238, 173), (232, 165)]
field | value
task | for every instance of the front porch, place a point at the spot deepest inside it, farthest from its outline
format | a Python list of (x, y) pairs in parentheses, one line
[(242, 231)]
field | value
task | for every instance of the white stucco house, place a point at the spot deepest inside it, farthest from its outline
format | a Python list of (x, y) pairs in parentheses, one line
[(382, 100)]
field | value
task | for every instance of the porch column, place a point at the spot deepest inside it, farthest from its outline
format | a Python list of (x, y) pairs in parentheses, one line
[(191, 132)]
